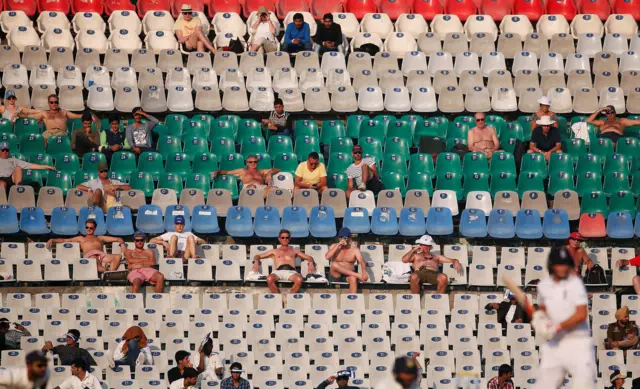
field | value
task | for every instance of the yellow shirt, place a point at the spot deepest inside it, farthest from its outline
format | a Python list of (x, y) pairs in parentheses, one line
[(311, 177), (187, 28)]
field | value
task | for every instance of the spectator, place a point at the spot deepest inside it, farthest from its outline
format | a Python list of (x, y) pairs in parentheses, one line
[(11, 168), (329, 35), (265, 32), (139, 134), (284, 263), (508, 310), (579, 255), (297, 36), (612, 127), (483, 138), (132, 350), (182, 362), (616, 379), (545, 138), (635, 261), (189, 32), (252, 177), (341, 378), (10, 337), (363, 173), (55, 119), (623, 333), (425, 266), (343, 256), (11, 110), (179, 244), (104, 190), (189, 379), (407, 374), (545, 104), (140, 263), (113, 140), (279, 121), (311, 174), (235, 381), (92, 246), (70, 351), (503, 380), (210, 363), (85, 140), (34, 375), (80, 378)]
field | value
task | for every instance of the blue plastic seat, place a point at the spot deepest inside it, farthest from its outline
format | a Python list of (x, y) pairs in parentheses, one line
[(322, 222), (384, 221), (356, 219), (473, 223), (620, 225), (266, 223), (239, 222), (204, 219), (176, 210), (528, 224), (439, 221), (412, 222), (94, 213), (32, 221), (501, 225), (119, 222), (295, 220), (64, 221), (555, 224), (150, 220), (8, 219)]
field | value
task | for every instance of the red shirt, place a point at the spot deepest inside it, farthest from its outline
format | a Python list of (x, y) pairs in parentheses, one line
[(494, 383)]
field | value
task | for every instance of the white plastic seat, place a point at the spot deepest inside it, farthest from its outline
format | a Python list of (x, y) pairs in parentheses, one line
[(500, 79), (624, 25), (633, 101), (365, 78), (551, 61), (149, 76), (124, 77), (224, 22), (384, 61), (370, 99), (482, 43), (317, 100), (529, 100), (549, 25), (443, 79), (100, 98), (125, 19), (311, 78), (399, 43), (560, 100), (429, 43), (235, 99), (127, 98), (413, 61), (613, 96), (376, 23), (586, 23), (97, 75), (481, 24), (577, 61), (204, 78), (478, 100), (605, 80), (23, 36), (630, 81), (525, 61), (157, 20), (629, 61), (466, 61), (362, 38), (492, 61), (504, 100), (57, 37), (391, 78), (635, 43), (224, 60), (42, 75), (451, 100), (71, 98), (285, 78), (83, 21), (304, 60), (50, 20), (343, 99), (589, 45), (579, 79), (158, 40), (616, 43), (518, 25), (258, 77), (125, 40), (585, 100), (418, 79), (153, 98), (397, 100), (223, 40), (412, 24), (179, 99), (261, 99), (440, 61), (358, 62), (231, 77), (509, 44), (348, 23), (605, 62), (11, 19), (248, 61), (15, 74), (92, 39), (445, 24), (337, 78), (332, 60), (292, 99), (562, 44), (470, 79)]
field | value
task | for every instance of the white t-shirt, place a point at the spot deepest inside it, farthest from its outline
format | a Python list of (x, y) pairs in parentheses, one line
[(73, 382), (355, 171), (561, 300), (262, 31), (510, 313), (97, 184), (15, 378), (211, 363), (182, 238), (178, 384)]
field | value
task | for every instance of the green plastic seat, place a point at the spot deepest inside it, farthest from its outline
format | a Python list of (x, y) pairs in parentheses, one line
[(286, 162), (197, 128), (502, 162), (560, 162), (337, 181), (476, 181), (457, 130), (616, 163), (448, 162), (589, 163), (174, 123), (511, 133), (207, 120), (264, 161), (373, 128), (332, 129), (560, 180), (6, 127), (452, 142), (339, 162), (142, 181), (635, 182), (178, 163), (354, 123), (279, 144), (26, 126), (503, 181), (252, 145), (205, 163), (497, 122), (629, 147), (90, 161), (525, 123), (615, 182), (398, 146), (306, 128), (633, 130), (411, 119), (32, 143), (199, 181), (341, 145), (40, 159), (623, 201), (30, 176), (83, 176), (222, 129), (171, 181), (465, 119), (402, 128), (231, 161), (233, 119), (421, 163), (534, 162), (17, 155), (387, 122), (371, 147), (305, 145), (575, 147), (420, 181), (530, 181), (223, 146), (594, 202), (151, 162), (118, 176), (194, 145), (159, 129), (58, 145), (475, 163), (602, 146), (67, 162), (123, 162), (563, 127), (248, 128), (587, 182), (169, 144), (394, 163), (450, 181), (60, 179), (227, 182), (394, 181), (428, 127)]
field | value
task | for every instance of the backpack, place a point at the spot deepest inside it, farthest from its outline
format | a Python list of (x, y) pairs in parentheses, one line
[(368, 48), (595, 276), (236, 46)]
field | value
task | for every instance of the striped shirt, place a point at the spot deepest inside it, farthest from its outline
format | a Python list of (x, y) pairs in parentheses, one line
[(281, 121), (355, 171), (494, 383)]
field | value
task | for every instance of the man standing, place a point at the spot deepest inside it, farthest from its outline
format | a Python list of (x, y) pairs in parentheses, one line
[(426, 265), (11, 168), (34, 375), (80, 379), (179, 244), (189, 379), (483, 138), (362, 173), (508, 310), (103, 190), (284, 263), (113, 140), (623, 333), (612, 127), (10, 337), (55, 119), (343, 256), (562, 320), (297, 36), (329, 35), (279, 121), (189, 31), (86, 139), (341, 378), (545, 138), (503, 380), (578, 254), (311, 174), (635, 261), (70, 351), (251, 177), (235, 381), (140, 263), (182, 362), (139, 134)]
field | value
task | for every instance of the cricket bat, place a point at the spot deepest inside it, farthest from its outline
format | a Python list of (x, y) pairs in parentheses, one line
[(521, 297)]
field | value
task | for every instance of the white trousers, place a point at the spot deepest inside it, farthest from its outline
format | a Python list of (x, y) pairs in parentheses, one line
[(574, 356)]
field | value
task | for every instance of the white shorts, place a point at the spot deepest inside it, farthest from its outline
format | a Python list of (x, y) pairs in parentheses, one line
[(284, 275), (574, 356)]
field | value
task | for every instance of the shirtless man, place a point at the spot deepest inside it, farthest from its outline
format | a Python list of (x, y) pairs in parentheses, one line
[(93, 247), (55, 119), (251, 177), (483, 138), (343, 256), (140, 262), (284, 263), (425, 266), (611, 128), (579, 255)]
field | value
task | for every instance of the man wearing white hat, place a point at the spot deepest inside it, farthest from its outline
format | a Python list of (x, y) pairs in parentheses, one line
[(189, 31), (426, 265), (545, 105), (545, 138)]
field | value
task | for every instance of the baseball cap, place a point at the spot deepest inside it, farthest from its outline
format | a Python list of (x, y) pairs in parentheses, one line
[(73, 337), (343, 374), (405, 365), (139, 234), (426, 240), (178, 220), (103, 166), (576, 236), (10, 94), (4, 145), (344, 232)]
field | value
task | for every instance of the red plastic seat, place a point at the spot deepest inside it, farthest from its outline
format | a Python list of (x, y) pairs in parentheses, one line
[(145, 6), (253, 5), (216, 6), (395, 8), (283, 7), (532, 9), (321, 7), (596, 7), (462, 8), (117, 5), (566, 8), (497, 9), (631, 7), (427, 8), (87, 6), (62, 6), (592, 225), (176, 7), (360, 7), (29, 7)]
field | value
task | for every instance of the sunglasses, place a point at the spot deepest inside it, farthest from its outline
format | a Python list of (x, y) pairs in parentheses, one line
[(342, 379), (480, 120), (252, 161), (574, 239), (90, 227), (103, 171), (357, 151), (285, 237), (5, 150), (313, 163), (53, 102), (139, 240)]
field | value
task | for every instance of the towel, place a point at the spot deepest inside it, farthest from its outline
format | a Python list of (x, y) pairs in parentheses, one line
[(581, 131), (131, 333)]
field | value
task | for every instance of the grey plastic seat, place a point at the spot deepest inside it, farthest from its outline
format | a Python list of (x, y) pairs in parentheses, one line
[(569, 201), (153, 99), (470, 79), (605, 62), (451, 100), (429, 43), (552, 79), (478, 100), (562, 44), (142, 59), (49, 198), (444, 79), (9, 55), (529, 100), (197, 60), (359, 61), (208, 99), (221, 199), (482, 43), (499, 79), (235, 99), (317, 100), (344, 100), (585, 100), (536, 44), (169, 59), (335, 198), (127, 98), (21, 196), (87, 58), (34, 56), (304, 60), (292, 100), (40, 96), (605, 79), (578, 79), (148, 77), (509, 44), (71, 98), (59, 57), (278, 60), (633, 101), (455, 43), (116, 58), (524, 80)]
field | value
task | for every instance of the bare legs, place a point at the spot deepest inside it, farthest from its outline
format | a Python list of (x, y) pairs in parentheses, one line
[(199, 41), (352, 277), (157, 279), (442, 281), (636, 284), (189, 251), (111, 263), (273, 288)]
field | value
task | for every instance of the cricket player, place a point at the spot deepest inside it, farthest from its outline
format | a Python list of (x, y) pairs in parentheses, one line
[(562, 321), (35, 374)]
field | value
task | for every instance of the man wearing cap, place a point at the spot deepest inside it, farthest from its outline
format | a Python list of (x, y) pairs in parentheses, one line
[(623, 333), (10, 337), (407, 373), (503, 380), (545, 138), (425, 266), (611, 127), (103, 190), (483, 138), (11, 110), (544, 110), (362, 173), (311, 174), (113, 140), (182, 362), (86, 139), (341, 378), (616, 379), (71, 350), (55, 119), (178, 243), (35, 375), (189, 379), (138, 133), (235, 381), (265, 31), (252, 177), (509, 311), (11, 168), (140, 263), (578, 253), (189, 31), (80, 377), (343, 256)]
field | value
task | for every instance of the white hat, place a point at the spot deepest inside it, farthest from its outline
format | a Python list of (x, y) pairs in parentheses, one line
[(426, 240), (544, 100), (545, 121)]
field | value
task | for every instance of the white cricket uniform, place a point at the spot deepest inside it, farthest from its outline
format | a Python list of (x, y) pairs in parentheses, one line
[(15, 378), (73, 382), (571, 351)]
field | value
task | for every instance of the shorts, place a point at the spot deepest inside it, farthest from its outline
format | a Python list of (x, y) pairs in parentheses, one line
[(8, 182), (54, 132), (331, 278), (614, 136), (427, 276), (97, 254), (143, 274), (284, 275), (254, 186)]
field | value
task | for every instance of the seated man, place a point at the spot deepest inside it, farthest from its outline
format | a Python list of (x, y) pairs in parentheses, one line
[(103, 190), (189, 32), (140, 263), (11, 168), (343, 256), (138, 133), (265, 32), (210, 362), (54, 119), (182, 360), (362, 173), (545, 138), (426, 265), (279, 121), (297, 36), (329, 35), (251, 177), (483, 138), (113, 140), (179, 244), (579, 255), (188, 380), (11, 334), (508, 310), (86, 139), (70, 350), (612, 127), (311, 174), (284, 263), (80, 377), (623, 333)]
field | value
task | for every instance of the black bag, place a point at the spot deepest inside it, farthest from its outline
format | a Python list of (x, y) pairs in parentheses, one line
[(375, 185), (236, 46), (461, 149), (595, 276), (369, 48)]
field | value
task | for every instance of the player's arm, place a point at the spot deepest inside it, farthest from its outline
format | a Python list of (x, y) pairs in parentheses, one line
[(586, 260), (635, 261), (333, 250), (308, 258), (472, 141), (76, 239), (258, 257), (235, 172), (31, 113), (363, 265), (630, 122), (72, 116), (408, 257), (110, 239)]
